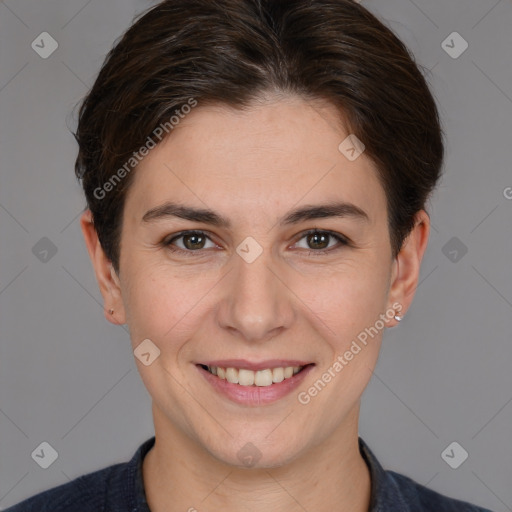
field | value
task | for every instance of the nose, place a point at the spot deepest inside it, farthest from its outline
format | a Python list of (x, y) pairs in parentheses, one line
[(256, 304)]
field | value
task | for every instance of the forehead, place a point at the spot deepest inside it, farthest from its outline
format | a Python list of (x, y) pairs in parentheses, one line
[(271, 156)]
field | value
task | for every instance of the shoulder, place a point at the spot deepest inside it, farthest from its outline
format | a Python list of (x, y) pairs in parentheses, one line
[(116, 488), (392, 491), (87, 493), (421, 498)]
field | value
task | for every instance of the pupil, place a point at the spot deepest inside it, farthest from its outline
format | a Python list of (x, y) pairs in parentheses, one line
[(314, 237), (194, 243)]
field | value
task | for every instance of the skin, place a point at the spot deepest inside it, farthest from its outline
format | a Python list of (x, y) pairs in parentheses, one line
[(253, 167)]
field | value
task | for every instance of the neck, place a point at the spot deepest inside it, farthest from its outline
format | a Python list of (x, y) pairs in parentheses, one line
[(330, 476)]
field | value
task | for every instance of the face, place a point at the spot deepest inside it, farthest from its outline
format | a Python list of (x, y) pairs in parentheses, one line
[(252, 286)]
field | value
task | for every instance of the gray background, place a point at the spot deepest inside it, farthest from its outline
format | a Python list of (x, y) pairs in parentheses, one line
[(68, 377)]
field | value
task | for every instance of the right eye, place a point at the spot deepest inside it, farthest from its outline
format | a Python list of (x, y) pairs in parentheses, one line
[(192, 242)]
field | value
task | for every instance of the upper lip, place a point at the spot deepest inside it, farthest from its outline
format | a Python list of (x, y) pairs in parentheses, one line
[(255, 366)]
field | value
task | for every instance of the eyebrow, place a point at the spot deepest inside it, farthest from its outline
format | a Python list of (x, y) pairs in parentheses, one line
[(337, 209)]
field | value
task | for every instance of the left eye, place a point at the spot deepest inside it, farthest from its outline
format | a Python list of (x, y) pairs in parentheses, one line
[(321, 238)]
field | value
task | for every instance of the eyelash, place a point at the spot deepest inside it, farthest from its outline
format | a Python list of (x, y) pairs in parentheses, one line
[(343, 241)]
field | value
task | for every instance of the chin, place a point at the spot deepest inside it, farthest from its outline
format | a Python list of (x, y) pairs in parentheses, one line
[(244, 453)]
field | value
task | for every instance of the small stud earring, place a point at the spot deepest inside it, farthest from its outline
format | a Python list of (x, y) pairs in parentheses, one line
[(398, 318), (111, 311)]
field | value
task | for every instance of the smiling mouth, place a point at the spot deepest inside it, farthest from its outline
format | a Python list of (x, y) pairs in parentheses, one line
[(259, 378)]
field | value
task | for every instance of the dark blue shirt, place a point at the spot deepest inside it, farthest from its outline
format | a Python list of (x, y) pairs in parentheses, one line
[(120, 488)]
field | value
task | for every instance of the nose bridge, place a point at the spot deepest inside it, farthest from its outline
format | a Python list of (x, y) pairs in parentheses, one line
[(256, 303)]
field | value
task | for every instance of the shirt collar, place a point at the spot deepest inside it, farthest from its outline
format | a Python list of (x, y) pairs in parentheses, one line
[(385, 493), (136, 494)]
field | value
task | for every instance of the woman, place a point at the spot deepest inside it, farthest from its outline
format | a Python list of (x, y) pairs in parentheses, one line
[(256, 174)]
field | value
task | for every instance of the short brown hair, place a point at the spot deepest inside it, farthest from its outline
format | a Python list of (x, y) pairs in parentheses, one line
[(233, 51)]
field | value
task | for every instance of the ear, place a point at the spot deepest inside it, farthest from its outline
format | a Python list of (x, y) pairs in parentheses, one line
[(109, 282), (406, 267)]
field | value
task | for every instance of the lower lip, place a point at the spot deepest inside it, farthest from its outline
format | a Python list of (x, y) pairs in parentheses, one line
[(255, 395)]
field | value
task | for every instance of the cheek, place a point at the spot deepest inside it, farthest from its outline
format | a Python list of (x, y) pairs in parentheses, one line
[(346, 298), (164, 306)]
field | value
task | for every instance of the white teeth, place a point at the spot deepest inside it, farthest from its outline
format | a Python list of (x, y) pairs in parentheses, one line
[(245, 377), (232, 375), (278, 375), (260, 378), (263, 378), (288, 372)]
